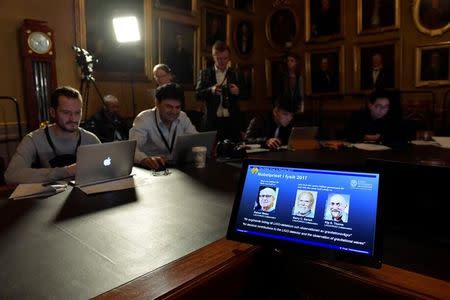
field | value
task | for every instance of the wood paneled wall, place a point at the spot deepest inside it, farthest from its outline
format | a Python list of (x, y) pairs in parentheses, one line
[(60, 15)]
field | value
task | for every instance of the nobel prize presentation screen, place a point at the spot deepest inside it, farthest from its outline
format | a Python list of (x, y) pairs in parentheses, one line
[(323, 208)]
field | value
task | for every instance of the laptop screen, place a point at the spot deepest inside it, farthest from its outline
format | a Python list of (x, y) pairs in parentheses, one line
[(319, 208)]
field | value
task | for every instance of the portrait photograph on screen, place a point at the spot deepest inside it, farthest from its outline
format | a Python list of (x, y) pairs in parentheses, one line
[(324, 209)]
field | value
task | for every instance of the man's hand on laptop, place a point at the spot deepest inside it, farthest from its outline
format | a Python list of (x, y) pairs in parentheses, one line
[(273, 143), (153, 162), (72, 169)]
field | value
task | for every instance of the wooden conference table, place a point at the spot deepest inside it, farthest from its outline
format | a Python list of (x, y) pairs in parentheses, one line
[(164, 238), (73, 246)]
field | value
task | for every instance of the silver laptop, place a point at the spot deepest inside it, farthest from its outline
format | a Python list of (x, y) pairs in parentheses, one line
[(99, 163), (182, 150), (301, 134)]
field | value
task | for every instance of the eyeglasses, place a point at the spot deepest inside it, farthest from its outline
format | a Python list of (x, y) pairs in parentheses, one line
[(265, 196)]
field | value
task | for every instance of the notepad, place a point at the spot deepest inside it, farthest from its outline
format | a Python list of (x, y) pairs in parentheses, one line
[(444, 141), (370, 147), (36, 190)]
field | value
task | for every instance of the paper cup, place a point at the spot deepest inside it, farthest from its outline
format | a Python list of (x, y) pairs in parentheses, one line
[(199, 154)]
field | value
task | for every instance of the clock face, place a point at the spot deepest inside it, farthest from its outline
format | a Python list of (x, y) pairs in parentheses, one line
[(39, 42)]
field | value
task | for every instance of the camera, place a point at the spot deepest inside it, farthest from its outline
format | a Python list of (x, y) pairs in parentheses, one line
[(85, 60), (226, 96)]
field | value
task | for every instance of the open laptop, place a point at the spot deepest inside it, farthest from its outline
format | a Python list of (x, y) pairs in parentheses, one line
[(98, 163), (318, 211), (300, 135), (182, 150)]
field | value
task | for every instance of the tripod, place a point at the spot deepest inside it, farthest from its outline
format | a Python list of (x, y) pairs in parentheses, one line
[(86, 80)]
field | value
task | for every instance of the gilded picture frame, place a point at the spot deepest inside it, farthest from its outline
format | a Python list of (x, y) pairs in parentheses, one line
[(433, 65), (177, 47), (375, 16), (186, 7), (215, 26), (142, 51), (325, 69), (243, 38), (431, 20), (247, 71), (366, 56), (323, 24), (282, 28), (273, 68), (244, 5)]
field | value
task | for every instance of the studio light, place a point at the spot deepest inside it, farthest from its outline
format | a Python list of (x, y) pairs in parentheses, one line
[(126, 29)]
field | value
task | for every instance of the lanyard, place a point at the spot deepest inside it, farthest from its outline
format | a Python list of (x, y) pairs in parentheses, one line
[(50, 142), (162, 136)]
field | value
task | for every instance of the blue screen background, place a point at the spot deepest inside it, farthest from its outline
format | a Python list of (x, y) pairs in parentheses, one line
[(361, 189)]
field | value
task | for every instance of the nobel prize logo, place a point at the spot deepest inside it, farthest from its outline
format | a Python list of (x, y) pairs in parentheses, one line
[(353, 183), (107, 162), (254, 170)]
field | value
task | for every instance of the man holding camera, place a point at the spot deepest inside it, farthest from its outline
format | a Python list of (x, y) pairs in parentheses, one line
[(220, 89)]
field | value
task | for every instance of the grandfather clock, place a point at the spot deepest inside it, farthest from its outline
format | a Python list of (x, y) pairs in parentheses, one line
[(38, 55)]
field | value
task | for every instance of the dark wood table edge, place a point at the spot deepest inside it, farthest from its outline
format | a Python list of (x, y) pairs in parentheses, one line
[(175, 278), (194, 270)]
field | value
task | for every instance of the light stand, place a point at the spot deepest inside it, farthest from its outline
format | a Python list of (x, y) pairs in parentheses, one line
[(126, 30)]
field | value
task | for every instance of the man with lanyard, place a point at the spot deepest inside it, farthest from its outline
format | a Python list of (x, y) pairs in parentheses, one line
[(156, 129), (53, 148), (220, 89)]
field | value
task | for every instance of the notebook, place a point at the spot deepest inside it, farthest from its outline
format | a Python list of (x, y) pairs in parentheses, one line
[(312, 209), (99, 163), (182, 150), (300, 137)]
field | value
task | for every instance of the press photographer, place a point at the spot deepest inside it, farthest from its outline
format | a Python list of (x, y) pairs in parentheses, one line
[(219, 87)]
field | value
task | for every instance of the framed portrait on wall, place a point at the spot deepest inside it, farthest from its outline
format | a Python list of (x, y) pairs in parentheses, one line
[(247, 73), (214, 27), (282, 28), (325, 19), (378, 15), (377, 65), (274, 73), (243, 38), (184, 5), (178, 49), (432, 64), (244, 5), (217, 2), (325, 68), (95, 33), (431, 16)]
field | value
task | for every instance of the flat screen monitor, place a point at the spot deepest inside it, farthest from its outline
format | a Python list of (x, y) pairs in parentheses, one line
[(326, 211)]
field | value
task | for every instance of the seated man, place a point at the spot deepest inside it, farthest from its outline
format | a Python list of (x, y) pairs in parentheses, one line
[(376, 123), (156, 129), (107, 125), (54, 147), (273, 129)]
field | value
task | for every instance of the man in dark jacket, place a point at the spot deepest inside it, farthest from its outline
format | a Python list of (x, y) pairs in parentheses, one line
[(376, 124), (107, 124), (272, 130), (220, 88)]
